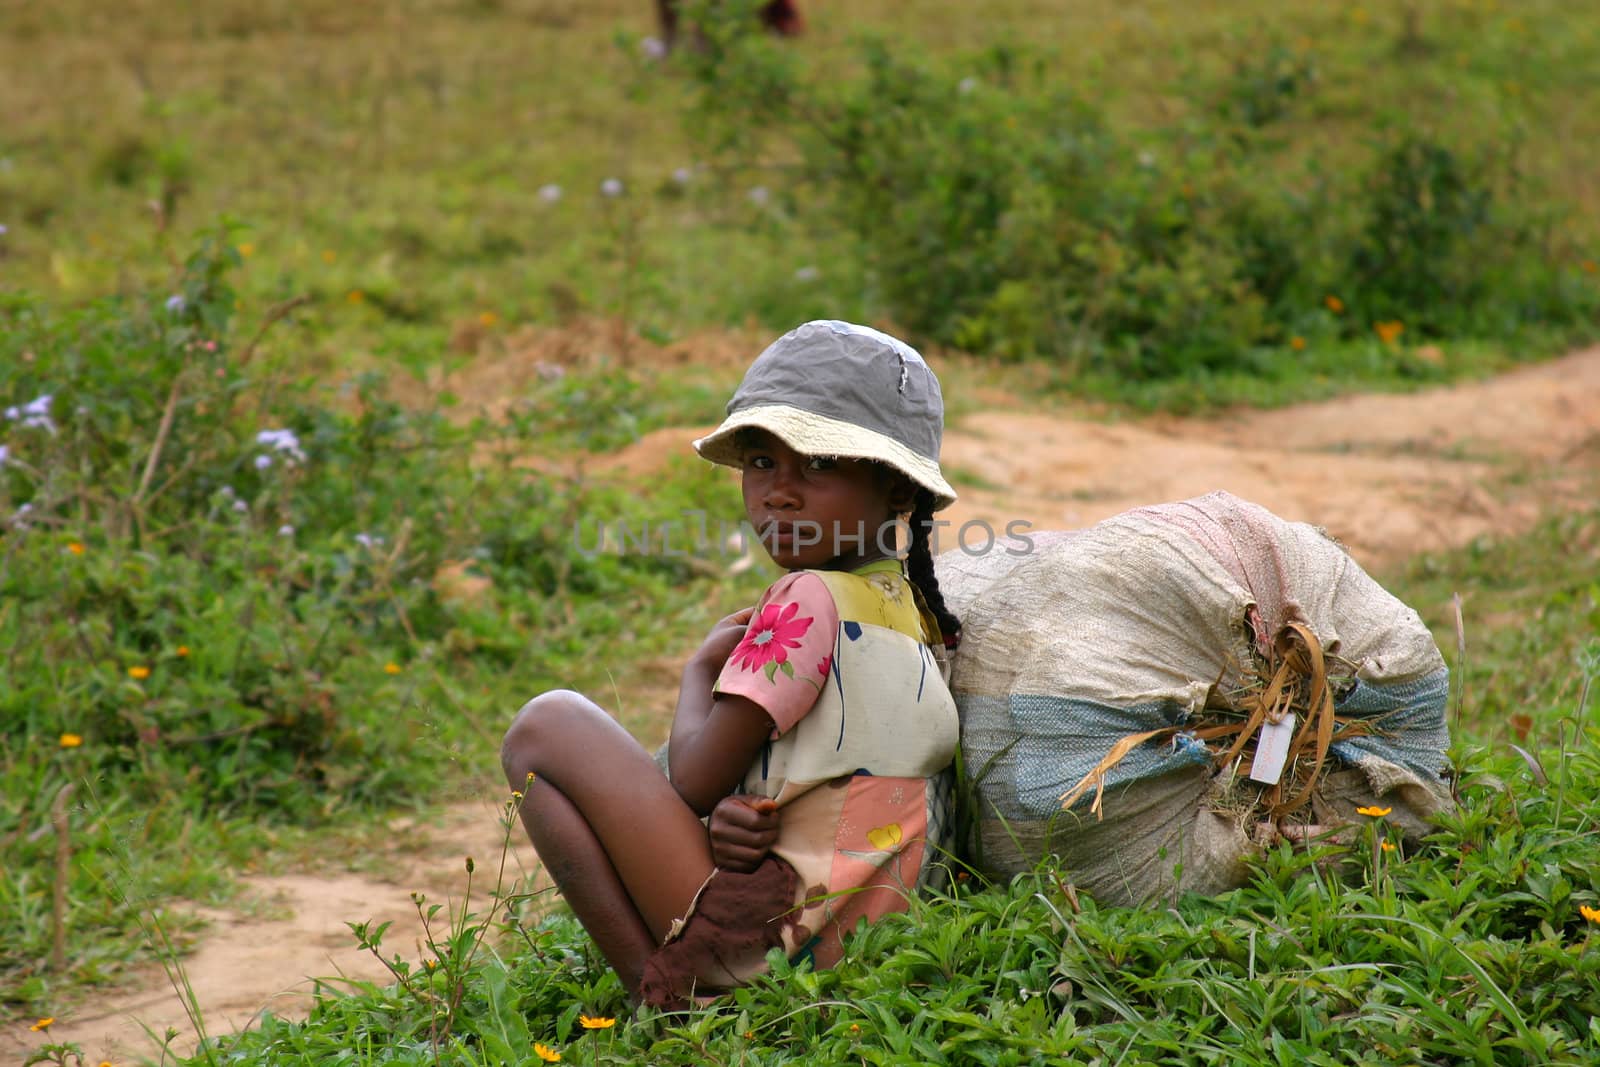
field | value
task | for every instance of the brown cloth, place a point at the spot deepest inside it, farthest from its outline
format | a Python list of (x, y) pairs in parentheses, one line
[(738, 917)]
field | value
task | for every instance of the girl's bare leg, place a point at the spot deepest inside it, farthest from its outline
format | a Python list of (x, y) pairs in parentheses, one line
[(624, 849)]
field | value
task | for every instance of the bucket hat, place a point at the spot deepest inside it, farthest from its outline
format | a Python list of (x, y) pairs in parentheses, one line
[(831, 388)]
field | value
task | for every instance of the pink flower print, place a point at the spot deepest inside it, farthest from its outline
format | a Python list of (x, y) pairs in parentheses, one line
[(826, 665), (767, 643)]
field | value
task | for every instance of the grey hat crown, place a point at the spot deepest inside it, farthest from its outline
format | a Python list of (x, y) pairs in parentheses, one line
[(853, 374)]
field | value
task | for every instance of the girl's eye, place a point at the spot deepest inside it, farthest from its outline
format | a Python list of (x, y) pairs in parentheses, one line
[(760, 463), (820, 463)]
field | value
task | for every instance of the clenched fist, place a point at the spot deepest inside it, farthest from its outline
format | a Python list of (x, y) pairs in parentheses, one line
[(743, 830)]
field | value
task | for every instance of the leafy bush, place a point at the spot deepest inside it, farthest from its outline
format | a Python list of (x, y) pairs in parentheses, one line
[(1003, 214), (222, 597)]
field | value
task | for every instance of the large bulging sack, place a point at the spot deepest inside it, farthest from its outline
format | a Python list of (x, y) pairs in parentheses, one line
[(1167, 621)]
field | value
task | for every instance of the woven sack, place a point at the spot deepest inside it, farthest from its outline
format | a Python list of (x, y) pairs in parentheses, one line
[(1127, 660)]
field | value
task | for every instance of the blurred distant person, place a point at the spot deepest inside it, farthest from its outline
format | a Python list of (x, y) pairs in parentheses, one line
[(779, 16)]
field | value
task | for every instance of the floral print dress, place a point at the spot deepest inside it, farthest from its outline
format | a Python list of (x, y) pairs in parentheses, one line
[(864, 729)]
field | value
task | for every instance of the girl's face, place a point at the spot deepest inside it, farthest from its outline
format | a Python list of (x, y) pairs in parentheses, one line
[(813, 513)]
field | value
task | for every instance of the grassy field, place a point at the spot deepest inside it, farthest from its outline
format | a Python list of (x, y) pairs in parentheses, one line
[(394, 164), (229, 220), (1481, 946)]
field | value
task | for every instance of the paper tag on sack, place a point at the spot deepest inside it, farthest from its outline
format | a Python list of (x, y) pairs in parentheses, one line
[(1272, 749)]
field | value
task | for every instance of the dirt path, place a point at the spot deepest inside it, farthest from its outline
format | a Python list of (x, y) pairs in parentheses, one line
[(286, 929), (1387, 475)]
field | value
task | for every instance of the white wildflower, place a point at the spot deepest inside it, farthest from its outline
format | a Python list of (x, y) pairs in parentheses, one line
[(759, 196), (683, 175), (240, 506), (550, 193), (5, 455), (653, 48), (227, 492), (286, 530), (807, 274), (1147, 159), (281, 441), (4, 229), (966, 85), (611, 187), (175, 304), (366, 540), (33, 415), (263, 462)]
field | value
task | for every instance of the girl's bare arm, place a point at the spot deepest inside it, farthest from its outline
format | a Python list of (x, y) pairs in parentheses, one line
[(714, 738)]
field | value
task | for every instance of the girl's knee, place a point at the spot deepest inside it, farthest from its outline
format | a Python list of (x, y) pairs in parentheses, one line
[(548, 712)]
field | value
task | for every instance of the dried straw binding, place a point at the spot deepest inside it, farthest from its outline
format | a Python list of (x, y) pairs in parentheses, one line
[(1292, 676)]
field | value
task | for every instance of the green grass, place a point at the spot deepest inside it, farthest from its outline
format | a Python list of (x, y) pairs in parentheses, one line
[(1531, 608), (1470, 949), (387, 160), (384, 163)]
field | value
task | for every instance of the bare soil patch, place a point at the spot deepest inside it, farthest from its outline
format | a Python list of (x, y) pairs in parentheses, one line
[(287, 931), (1389, 476)]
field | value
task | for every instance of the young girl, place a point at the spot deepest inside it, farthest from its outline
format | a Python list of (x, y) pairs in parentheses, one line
[(812, 729)]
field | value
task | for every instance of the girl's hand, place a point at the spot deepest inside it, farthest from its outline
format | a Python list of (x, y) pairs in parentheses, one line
[(743, 831), (723, 639)]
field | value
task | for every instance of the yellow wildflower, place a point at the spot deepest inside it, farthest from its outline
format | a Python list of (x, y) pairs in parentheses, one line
[(75, 547), (1387, 846), (43, 1024), (247, 250), (1374, 811), (1592, 914), (71, 740), (1590, 266), (546, 1053), (355, 296), (392, 668), (138, 674), (1333, 303), (597, 1022), (329, 255), (1297, 343), (515, 795), (488, 318), (183, 650)]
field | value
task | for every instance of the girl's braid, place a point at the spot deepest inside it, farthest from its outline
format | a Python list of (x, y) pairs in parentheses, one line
[(919, 568)]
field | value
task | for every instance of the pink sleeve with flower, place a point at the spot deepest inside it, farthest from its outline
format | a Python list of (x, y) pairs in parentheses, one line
[(786, 654)]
